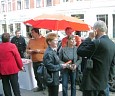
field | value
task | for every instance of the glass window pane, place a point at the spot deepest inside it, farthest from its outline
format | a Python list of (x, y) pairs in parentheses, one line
[(26, 4), (49, 3), (18, 5), (113, 25), (38, 3)]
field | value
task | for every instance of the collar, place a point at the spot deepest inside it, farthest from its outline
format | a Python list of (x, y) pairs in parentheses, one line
[(101, 36), (54, 49)]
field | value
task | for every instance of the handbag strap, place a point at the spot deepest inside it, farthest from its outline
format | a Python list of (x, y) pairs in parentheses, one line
[(95, 49)]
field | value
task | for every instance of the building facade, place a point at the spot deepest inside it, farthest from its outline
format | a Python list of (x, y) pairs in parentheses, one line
[(14, 12)]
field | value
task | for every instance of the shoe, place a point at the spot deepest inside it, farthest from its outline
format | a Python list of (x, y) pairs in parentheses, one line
[(38, 90)]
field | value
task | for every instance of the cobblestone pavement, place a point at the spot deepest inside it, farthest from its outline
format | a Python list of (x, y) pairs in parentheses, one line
[(31, 93), (44, 93)]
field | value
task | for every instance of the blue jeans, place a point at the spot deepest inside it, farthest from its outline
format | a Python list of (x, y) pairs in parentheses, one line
[(1, 94), (66, 73), (107, 90)]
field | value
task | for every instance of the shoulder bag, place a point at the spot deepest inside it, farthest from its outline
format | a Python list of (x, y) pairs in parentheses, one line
[(89, 63)]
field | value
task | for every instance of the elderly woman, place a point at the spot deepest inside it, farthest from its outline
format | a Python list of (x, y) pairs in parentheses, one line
[(52, 63), (10, 65), (69, 53)]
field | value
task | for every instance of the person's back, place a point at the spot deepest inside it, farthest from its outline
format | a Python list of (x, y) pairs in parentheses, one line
[(102, 52), (103, 59), (10, 65)]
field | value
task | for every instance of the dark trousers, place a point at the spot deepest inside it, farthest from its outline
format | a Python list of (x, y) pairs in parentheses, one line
[(94, 93), (53, 90), (66, 74), (9, 81), (35, 67)]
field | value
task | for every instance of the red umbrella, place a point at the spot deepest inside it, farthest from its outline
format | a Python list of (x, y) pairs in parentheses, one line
[(57, 22)]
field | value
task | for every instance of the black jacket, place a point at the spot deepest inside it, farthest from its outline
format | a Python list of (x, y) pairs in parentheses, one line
[(97, 78), (20, 43), (52, 63)]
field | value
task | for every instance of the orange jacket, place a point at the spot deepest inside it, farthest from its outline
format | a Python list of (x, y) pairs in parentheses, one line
[(40, 44)]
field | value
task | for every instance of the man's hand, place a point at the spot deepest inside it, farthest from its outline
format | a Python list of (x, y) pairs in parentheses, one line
[(37, 51), (92, 35)]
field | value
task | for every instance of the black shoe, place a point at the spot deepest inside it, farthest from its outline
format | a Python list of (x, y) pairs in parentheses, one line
[(38, 90)]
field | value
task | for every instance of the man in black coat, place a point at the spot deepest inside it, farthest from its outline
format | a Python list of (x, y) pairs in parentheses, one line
[(20, 42), (95, 80)]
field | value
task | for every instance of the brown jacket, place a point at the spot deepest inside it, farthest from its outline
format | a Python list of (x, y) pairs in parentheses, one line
[(40, 44)]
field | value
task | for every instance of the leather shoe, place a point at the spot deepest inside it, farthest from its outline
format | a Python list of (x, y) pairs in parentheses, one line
[(38, 90)]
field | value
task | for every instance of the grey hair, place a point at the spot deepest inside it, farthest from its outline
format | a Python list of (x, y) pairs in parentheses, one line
[(100, 25)]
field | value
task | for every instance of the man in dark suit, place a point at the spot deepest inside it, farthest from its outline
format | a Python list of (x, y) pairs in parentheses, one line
[(20, 43), (95, 80)]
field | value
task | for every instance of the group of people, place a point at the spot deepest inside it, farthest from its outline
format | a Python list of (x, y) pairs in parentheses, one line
[(44, 50)]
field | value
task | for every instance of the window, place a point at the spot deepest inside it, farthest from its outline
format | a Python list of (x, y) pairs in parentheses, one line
[(11, 28), (49, 3), (113, 25), (79, 0), (17, 26), (104, 18), (38, 3), (9, 5), (65, 0), (4, 28), (26, 4), (3, 6), (19, 5), (79, 16)]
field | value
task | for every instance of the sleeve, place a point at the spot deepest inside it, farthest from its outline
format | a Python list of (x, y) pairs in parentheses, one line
[(44, 47), (17, 57), (28, 46), (86, 48), (79, 60), (49, 63), (113, 61), (12, 40), (24, 45), (112, 69), (61, 55)]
